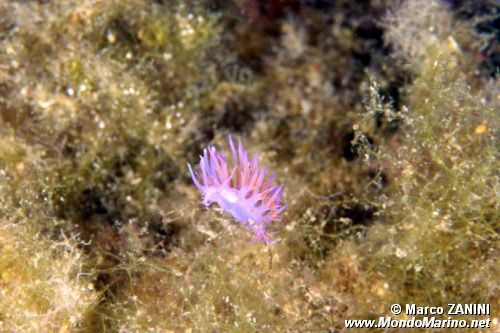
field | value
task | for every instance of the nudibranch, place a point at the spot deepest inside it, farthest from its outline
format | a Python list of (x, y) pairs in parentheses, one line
[(244, 192)]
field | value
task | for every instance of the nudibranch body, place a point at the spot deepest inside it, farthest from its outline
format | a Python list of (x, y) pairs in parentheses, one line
[(244, 192)]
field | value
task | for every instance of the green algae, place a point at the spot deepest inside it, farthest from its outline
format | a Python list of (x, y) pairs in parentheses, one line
[(380, 125)]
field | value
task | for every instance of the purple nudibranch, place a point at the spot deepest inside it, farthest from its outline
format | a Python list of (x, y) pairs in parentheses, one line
[(244, 192)]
